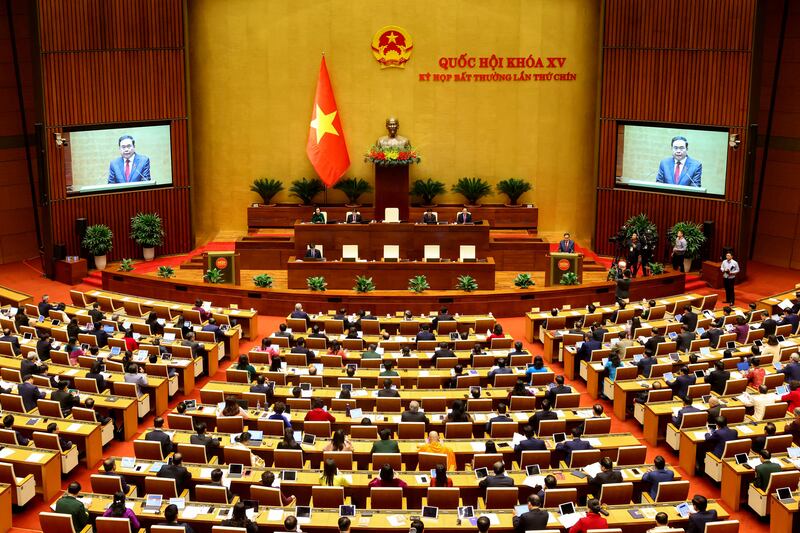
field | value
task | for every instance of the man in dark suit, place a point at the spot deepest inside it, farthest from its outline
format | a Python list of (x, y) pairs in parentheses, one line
[(544, 414), (354, 217), (29, 392), (685, 338), (299, 313), (501, 368), (607, 474), (792, 370), (261, 386), (8, 423), (718, 377), (425, 333), (560, 388), (502, 416), (499, 479), (31, 365), (701, 516), (689, 317), (44, 345), (412, 414), (130, 166), (566, 245), (176, 471), (714, 409), (680, 387), (529, 443), (464, 217), (584, 353), (96, 313), (158, 435), (443, 351), (646, 311), (428, 217), (569, 446), (713, 334), (679, 168), (535, 519), (282, 332), (598, 330), (212, 326), (11, 339), (45, 306), (653, 342), (646, 363), (100, 335), (66, 400), (312, 252), (300, 347), (658, 474), (717, 438), (387, 391), (768, 324), (200, 437), (443, 316), (788, 317), (109, 469)]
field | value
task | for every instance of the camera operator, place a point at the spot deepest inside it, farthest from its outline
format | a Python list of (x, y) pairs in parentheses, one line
[(633, 249)]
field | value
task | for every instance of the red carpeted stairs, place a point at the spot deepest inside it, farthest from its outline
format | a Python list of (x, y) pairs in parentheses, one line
[(694, 283)]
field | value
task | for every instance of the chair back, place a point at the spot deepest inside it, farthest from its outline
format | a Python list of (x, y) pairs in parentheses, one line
[(732, 447), (694, 420), (395, 460), (56, 523), (501, 343), (86, 385), (230, 424), (320, 428), (269, 496), (483, 361), (444, 497), (233, 375), (487, 460), (479, 405), (780, 480), (672, 491), (8, 436), (568, 401), (272, 428), (581, 458), (364, 432), (616, 493), (148, 449), (501, 497), (555, 497), (698, 390), (178, 421), (13, 375), (734, 386), (193, 453), (505, 381), (778, 443), (445, 327), (231, 455), (12, 402), (458, 430), (733, 415), (125, 389), (289, 459), (228, 529), (503, 430), (548, 428), (411, 430), (299, 404), (343, 460), (49, 408), (210, 494), (48, 441), (108, 524), (102, 484), (167, 529), (522, 404), (722, 526), (659, 395), (597, 426), (164, 486), (631, 455), (327, 497), (386, 498), (427, 461)]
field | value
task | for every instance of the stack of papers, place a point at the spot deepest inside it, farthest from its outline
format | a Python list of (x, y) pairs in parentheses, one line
[(569, 520), (593, 469)]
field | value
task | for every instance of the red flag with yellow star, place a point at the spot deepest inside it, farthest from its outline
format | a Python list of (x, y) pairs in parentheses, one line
[(326, 147)]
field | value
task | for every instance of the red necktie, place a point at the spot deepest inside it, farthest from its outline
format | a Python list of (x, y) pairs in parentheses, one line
[(128, 170), (677, 172)]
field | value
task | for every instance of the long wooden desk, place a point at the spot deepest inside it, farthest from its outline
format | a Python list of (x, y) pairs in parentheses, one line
[(411, 238), (391, 323), (5, 507), (390, 275), (85, 435), (44, 465), (12, 297), (658, 414), (359, 489), (770, 303), (736, 478), (248, 318), (783, 516), (464, 449), (385, 520)]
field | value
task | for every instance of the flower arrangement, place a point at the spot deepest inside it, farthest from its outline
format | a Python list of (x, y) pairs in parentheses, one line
[(392, 156)]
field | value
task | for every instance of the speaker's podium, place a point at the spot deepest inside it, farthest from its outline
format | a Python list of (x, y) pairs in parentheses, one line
[(559, 263), (227, 263)]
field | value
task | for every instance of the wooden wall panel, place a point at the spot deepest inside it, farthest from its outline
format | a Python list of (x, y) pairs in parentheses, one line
[(113, 61), (696, 70)]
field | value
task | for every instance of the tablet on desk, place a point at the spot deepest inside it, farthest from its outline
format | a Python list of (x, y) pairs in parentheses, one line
[(481, 473), (559, 437), (785, 494), (683, 509), (305, 386), (782, 390), (532, 470), (566, 508), (429, 511), (289, 475), (235, 470), (308, 438), (303, 511), (466, 511), (741, 458), (731, 345), (347, 510), (190, 404)]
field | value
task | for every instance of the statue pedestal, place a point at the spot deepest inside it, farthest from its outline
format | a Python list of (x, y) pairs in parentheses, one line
[(391, 190)]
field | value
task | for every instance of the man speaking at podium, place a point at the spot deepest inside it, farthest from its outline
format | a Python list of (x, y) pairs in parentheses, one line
[(680, 169), (130, 166), (566, 245)]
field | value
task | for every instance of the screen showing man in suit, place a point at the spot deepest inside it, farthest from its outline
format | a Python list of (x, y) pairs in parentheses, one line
[(117, 158), (673, 160)]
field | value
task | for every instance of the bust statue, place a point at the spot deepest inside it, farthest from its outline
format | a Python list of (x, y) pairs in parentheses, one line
[(393, 140)]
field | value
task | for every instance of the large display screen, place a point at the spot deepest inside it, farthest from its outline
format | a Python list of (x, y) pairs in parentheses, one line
[(672, 159), (117, 158)]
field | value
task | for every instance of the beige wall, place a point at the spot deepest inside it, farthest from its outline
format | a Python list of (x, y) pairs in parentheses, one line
[(253, 71)]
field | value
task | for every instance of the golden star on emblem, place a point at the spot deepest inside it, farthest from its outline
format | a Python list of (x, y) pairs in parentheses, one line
[(323, 123), (392, 37)]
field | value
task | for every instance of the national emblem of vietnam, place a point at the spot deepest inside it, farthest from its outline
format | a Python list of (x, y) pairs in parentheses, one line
[(392, 46)]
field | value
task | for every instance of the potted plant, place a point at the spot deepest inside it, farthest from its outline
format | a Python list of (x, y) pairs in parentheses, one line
[(98, 241), (641, 225), (148, 232), (263, 280), (165, 272), (524, 281), (466, 284), (569, 278), (126, 265), (267, 188), (427, 190), (306, 189), (693, 233), (418, 284), (213, 275), (513, 188), (364, 284), (353, 188), (472, 189), (316, 283)]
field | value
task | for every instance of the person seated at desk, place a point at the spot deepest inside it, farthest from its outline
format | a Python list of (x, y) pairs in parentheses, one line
[(458, 412), (792, 370), (110, 469), (429, 217), (718, 377), (519, 389), (11, 339), (657, 474), (242, 442), (412, 414), (268, 480), (793, 397), (171, 517), (655, 339), (154, 359), (464, 217), (318, 413), (386, 478), (385, 444), (317, 217), (204, 313), (701, 516), (646, 363), (530, 442), (239, 519), (45, 306), (443, 316), (261, 386), (299, 313), (535, 519), (606, 475), (566, 245), (29, 392), (118, 509), (501, 368), (765, 470), (69, 504), (212, 327), (559, 388), (32, 365), (499, 479), (760, 442), (353, 217), (544, 414), (371, 353), (65, 399), (662, 524), (717, 438), (387, 391), (8, 424), (157, 434), (518, 349), (65, 444), (244, 364), (439, 477), (134, 375), (216, 480), (425, 334), (337, 349), (433, 444), (96, 313), (537, 367), (387, 369), (497, 333), (312, 252), (594, 518), (584, 353), (188, 340), (44, 345), (680, 385), (202, 439), (502, 416), (443, 351), (288, 442), (283, 332), (20, 319), (232, 408), (787, 316), (575, 444)]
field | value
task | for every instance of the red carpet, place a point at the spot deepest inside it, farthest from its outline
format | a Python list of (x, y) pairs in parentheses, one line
[(26, 276)]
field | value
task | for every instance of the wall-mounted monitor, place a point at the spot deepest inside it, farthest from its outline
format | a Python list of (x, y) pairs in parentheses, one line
[(117, 158), (672, 159)]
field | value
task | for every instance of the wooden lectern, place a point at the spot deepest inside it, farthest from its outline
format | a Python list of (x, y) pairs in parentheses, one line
[(559, 263), (227, 262), (391, 190)]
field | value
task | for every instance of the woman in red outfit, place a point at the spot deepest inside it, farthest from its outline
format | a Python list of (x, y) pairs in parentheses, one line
[(130, 343), (593, 518)]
